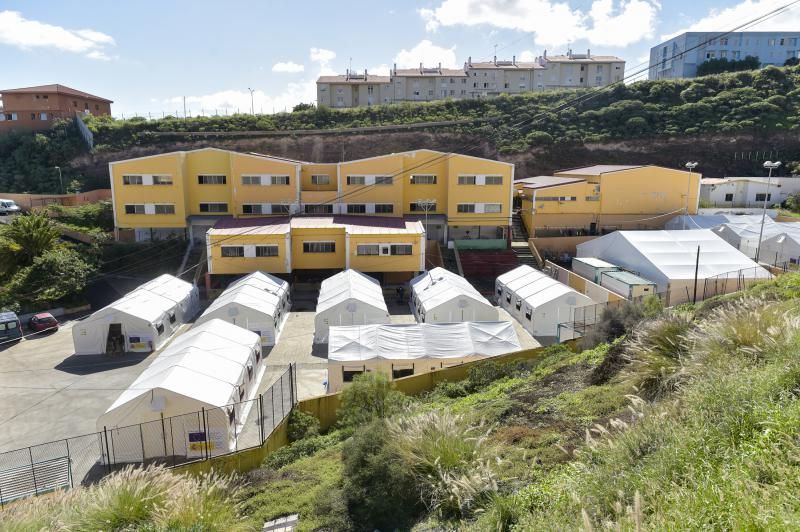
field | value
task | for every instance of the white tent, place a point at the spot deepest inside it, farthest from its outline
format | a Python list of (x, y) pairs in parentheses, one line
[(213, 367), (258, 302), (141, 321), (780, 242), (712, 221), (668, 258), (405, 349), (348, 298), (538, 301), (441, 296)]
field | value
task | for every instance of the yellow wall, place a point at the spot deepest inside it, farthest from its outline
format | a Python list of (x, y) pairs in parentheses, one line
[(463, 165), (250, 165), (318, 169), (237, 265), (389, 165), (314, 261), (650, 189), (396, 263), (425, 162), (169, 164), (207, 162)]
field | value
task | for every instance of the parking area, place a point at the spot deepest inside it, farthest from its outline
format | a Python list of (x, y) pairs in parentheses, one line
[(47, 393)]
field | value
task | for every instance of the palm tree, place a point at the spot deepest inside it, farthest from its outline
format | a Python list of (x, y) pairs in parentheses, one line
[(24, 239)]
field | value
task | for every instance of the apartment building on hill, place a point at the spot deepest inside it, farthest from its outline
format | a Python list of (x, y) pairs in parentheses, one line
[(373, 214), (36, 108), (475, 80)]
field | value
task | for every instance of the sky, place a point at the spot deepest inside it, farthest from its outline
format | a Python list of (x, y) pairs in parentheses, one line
[(147, 55)]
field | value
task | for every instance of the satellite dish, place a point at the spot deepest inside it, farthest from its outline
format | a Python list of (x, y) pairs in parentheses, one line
[(463, 303), (233, 311)]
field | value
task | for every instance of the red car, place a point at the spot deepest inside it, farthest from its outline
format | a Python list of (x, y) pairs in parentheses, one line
[(44, 321)]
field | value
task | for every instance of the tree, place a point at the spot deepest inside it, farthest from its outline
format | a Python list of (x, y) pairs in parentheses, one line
[(720, 65), (370, 396), (792, 61), (24, 239), (303, 107), (54, 275)]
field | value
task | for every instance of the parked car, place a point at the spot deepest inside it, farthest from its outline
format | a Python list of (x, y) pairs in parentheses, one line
[(8, 206), (10, 328), (44, 321)]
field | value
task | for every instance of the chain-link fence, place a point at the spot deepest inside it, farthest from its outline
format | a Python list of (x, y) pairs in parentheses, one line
[(170, 441)]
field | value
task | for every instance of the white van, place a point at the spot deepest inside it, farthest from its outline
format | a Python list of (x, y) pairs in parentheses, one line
[(8, 206)]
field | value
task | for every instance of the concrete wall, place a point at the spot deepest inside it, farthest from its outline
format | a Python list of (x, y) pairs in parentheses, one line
[(558, 245), (31, 201)]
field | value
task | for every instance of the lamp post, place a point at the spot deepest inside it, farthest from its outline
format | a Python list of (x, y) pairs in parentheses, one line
[(60, 181), (426, 204), (770, 166), (252, 107), (691, 165)]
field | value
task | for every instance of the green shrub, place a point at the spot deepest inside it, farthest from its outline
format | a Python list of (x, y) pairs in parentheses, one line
[(369, 396), (380, 492), (304, 447), (302, 425)]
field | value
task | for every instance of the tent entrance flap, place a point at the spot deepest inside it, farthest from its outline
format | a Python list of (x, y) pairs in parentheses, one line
[(115, 341)]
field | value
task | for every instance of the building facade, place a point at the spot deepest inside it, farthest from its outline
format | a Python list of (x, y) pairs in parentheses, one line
[(603, 198), (747, 191), (476, 80), (36, 108), (382, 200), (678, 57)]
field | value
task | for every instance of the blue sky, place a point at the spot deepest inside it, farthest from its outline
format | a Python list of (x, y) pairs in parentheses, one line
[(147, 55)]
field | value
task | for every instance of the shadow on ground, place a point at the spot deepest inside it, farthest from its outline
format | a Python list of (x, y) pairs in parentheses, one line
[(89, 364)]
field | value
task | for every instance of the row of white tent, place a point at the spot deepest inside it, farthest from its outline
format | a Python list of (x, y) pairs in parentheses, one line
[(441, 296), (780, 241)]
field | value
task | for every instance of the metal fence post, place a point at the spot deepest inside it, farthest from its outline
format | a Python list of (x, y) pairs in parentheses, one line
[(33, 472), (235, 436), (172, 440), (205, 429), (141, 439), (272, 391), (261, 417), (108, 451), (291, 385), (69, 464), (164, 436), (282, 413)]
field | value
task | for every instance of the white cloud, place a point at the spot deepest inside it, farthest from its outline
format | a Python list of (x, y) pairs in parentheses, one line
[(287, 66), (322, 55), (17, 31), (553, 23), (428, 53), (380, 70), (731, 17), (527, 56)]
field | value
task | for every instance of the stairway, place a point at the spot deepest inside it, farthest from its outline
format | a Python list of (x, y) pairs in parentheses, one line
[(518, 231), (519, 241)]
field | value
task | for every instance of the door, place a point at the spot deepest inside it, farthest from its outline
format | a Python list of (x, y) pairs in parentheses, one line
[(115, 342)]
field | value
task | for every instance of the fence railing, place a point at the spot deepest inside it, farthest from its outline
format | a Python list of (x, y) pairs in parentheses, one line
[(169, 441)]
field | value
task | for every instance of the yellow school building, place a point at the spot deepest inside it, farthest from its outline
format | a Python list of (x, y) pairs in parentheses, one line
[(279, 215), (603, 198)]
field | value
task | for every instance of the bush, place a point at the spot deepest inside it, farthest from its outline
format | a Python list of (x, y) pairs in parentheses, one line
[(302, 425), (614, 322), (304, 447), (369, 396), (380, 492)]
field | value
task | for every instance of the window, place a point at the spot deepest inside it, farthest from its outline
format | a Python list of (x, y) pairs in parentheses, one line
[(131, 180), (384, 208), (423, 179), (164, 208), (42, 116), (383, 180), (348, 376), (528, 313), (491, 208), (723, 41), (160, 328), (519, 303), (356, 208), (134, 339), (232, 251), (400, 373), (319, 209), (279, 179), (466, 180), (134, 209), (466, 207), (266, 251), (423, 206), (494, 179), (401, 249), (252, 208), (281, 208), (213, 207), (557, 198), (320, 179), (251, 179), (172, 318), (728, 197), (356, 180), (771, 42), (211, 180), (11, 116), (162, 180), (763, 197), (368, 249), (319, 247)]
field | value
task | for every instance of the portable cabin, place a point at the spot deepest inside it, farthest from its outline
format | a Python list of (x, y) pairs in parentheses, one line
[(591, 268), (627, 284)]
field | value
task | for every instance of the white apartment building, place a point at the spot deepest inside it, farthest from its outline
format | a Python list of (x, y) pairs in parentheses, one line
[(747, 191), (476, 80)]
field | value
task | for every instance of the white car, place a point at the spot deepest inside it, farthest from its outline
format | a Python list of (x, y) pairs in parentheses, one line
[(8, 206)]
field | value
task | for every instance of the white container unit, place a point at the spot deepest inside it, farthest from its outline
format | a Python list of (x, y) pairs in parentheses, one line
[(592, 268), (627, 285)]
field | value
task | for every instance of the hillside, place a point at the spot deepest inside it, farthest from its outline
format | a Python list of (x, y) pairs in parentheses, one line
[(689, 420), (728, 122)]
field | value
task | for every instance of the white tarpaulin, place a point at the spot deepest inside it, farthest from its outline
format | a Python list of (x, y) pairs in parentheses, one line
[(141, 321), (780, 241), (668, 257), (712, 221), (212, 366), (348, 298), (441, 296), (421, 340), (538, 301), (258, 302)]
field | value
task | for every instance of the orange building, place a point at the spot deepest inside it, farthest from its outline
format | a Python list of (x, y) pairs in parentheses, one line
[(36, 108)]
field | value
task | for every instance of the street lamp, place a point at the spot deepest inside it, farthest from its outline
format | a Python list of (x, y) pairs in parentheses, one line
[(770, 166), (427, 205), (60, 182), (691, 165), (252, 107)]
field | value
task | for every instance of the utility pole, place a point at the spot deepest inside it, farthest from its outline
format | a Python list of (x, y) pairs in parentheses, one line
[(427, 205), (771, 166), (690, 166), (184, 107), (696, 272), (252, 107)]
